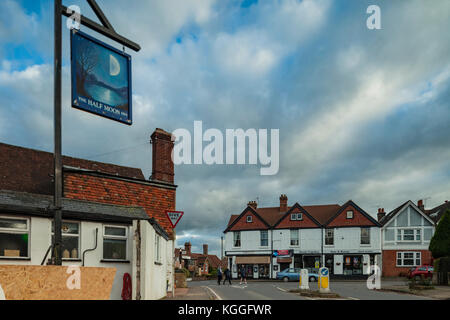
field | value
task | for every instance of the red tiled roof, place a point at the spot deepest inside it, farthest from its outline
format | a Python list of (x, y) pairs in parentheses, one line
[(31, 171), (322, 213)]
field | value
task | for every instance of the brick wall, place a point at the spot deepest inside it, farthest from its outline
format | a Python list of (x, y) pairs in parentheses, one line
[(155, 200), (390, 268)]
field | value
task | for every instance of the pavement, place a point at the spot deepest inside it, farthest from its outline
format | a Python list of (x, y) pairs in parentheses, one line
[(191, 293), (438, 293)]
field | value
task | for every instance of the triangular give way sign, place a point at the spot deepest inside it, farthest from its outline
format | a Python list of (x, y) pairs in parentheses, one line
[(174, 217)]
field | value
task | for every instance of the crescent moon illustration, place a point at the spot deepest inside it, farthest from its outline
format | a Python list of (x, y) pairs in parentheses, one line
[(114, 66)]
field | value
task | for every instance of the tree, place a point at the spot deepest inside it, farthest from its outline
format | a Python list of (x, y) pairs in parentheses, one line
[(440, 243)]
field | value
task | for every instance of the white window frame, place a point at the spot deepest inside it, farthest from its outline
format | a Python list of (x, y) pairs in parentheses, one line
[(157, 248), (105, 236), (70, 235), (293, 216), (352, 214), (325, 240), (417, 232), (299, 216), (361, 236), (294, 242), (261, 238), (249, 219), (18, 231), (235, 233), (400, 255)]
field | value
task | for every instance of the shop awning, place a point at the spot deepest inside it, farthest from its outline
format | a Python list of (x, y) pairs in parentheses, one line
[(284, 260), (253, 260)]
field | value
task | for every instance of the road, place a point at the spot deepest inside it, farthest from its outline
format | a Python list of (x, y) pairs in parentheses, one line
[(349, 290)]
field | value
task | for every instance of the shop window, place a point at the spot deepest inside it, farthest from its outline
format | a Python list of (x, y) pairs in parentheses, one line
[(115, 243), (294, 238), (14, 234), (329, 237), (237, 239), (249, 219), (70, 239), (365, 235), (264, 235), (349, 214)]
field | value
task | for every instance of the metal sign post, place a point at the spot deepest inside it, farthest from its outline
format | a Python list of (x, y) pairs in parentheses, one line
[(107, 30)]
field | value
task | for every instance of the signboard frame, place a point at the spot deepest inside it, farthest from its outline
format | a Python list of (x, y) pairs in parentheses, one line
[(179, 218), (76, 103)]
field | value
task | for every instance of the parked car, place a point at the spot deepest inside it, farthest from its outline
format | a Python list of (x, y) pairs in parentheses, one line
[(292, 274), (419, 272)]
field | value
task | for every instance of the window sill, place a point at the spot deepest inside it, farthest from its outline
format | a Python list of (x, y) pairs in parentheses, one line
[(72, 260), (15, 259), (115, 261)]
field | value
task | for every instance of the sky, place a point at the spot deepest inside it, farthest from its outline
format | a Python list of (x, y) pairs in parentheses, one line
[(363, 114)]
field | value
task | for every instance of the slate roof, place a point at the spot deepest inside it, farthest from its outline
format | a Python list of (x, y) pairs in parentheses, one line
[(40, 205), (436, 213)]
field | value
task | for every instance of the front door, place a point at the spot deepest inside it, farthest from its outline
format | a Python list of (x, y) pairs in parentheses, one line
[(338, 264)]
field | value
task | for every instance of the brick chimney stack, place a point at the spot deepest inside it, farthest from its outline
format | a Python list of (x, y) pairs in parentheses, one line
[(283, 203), (420, 205), (187, 248), (253, 204), (381, 213), (205, 249), (162, 164)]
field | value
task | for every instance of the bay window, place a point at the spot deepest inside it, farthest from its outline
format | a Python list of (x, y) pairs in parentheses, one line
[(409, 235)]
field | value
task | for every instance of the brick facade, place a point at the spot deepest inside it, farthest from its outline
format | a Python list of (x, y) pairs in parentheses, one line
[(155, 200), (390, 268)]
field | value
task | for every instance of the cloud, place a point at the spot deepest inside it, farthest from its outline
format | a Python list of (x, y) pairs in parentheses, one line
[(362, 114)]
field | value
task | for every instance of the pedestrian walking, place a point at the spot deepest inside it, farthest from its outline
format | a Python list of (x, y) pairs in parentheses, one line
[(227, 274), (243, 275), (219, 275)]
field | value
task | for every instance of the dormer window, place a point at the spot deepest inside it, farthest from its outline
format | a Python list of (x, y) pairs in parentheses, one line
[(249, 219), (349, 214), (296, 217)]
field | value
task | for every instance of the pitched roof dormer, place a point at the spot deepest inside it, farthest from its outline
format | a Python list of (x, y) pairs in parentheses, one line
[(351, 215), (249, 219), (297, 217)]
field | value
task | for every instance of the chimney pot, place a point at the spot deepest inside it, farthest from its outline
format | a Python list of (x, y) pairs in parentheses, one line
[(381, 214), (187, 248), (283, 203), (420, 205), (253, 204)]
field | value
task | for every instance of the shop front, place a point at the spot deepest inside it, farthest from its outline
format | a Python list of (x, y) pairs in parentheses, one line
[(350, 264), (256, 267)]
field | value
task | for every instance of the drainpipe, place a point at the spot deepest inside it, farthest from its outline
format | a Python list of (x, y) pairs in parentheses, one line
[(271, 254), (138, 260), (93, 249)]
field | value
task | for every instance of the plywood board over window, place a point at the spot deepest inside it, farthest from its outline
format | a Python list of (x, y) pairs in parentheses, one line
[(50, 283)]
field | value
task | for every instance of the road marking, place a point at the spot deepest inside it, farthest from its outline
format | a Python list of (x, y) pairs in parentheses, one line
[(281, 289), (353, 298), (309, 298), (214, 293)]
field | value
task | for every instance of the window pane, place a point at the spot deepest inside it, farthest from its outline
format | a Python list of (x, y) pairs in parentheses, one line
[(113, 231), (399, 262), (114, 249), (69, 247), (68, 227), (13, 224), (293, 217), (299, 216), (408, 262), (13, 245)]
